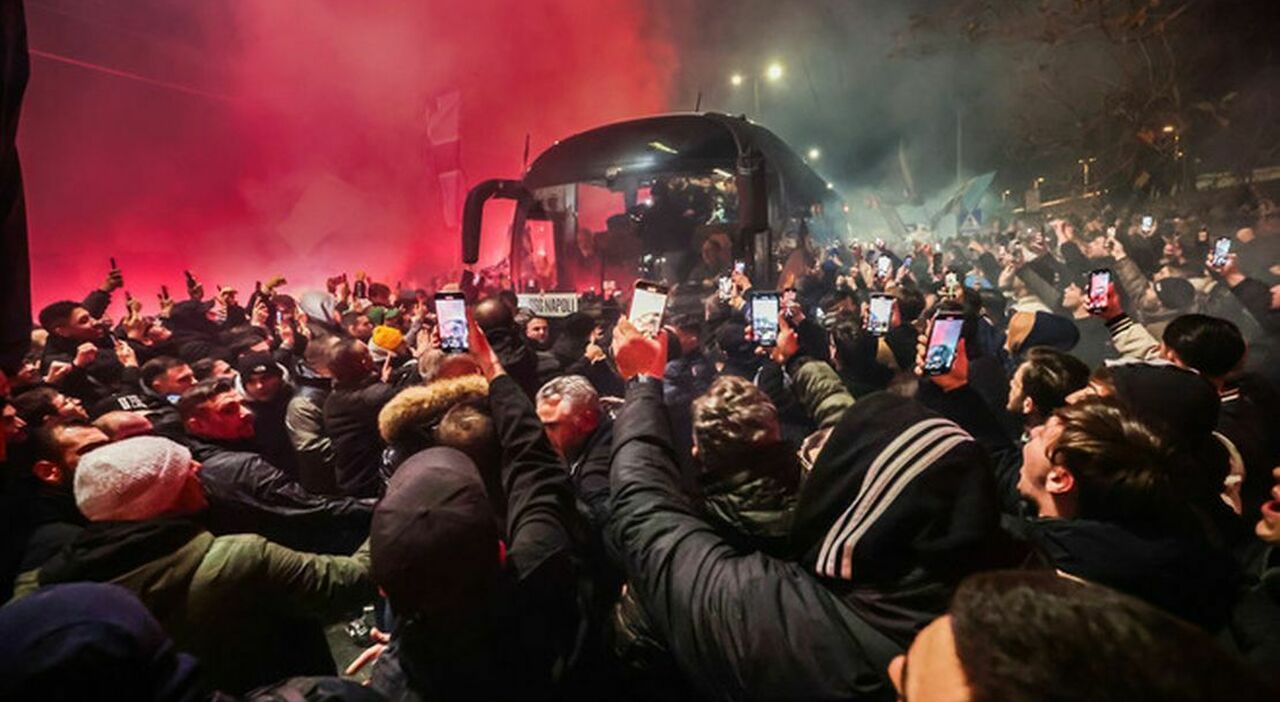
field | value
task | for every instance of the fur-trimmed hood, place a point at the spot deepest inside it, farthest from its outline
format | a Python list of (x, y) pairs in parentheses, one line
[(416, 410)]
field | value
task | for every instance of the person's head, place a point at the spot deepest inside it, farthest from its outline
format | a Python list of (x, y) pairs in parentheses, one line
[(1018, 636), (357, 325), (435, 547), (58, 449), (1268, 527), (537, 330), (1210, 345), (569, 408), (732, 420), (1043, 381), (213, 369), (468, 427), (492, 313), (91, 642), (688, 328), (1094, 460), (246, 339), (70, 320), (214, 409), (12, 423), (316, 354), (1095, 245), (380, 294), (166, 375), (122, 424), (42, 406), (137, 479), (260, 376), (350, 362)]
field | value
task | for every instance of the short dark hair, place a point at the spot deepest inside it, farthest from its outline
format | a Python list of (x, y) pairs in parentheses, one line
[(57, 313), (379, 290), (45, 440), (1051, 376), (469, 428), (1211, 345), (1032, 635), (910, 303), (346, 360), (240, 339), (201, 393), (203, 368), (157, 367), (36, 405), (1119, 463)]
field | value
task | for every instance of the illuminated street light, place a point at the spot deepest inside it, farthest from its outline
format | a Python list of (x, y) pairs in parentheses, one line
[(1169, 129), (735, 80), (815, 153), (773, 72)]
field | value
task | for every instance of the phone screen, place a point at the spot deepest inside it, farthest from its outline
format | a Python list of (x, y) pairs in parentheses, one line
[(647, 305), (1148, 223), (944, 336), (1221, 248), (884, 266), (724, 286), (879, 314), (764, 318), (1099, 281), (451, 310), (739, 267)]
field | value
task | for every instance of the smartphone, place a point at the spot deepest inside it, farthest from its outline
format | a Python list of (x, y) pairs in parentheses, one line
[(1111, 232), (1099, 282), (879, 314), (112, 259), (944, 338), (360, 289), (191, 279), (451, 311), (739, 267), (724, 288), (1148, 223), (1221, 247), (164, 290), (906, 262), (884, 267), (648, 303), (764, 317), (789, 296)]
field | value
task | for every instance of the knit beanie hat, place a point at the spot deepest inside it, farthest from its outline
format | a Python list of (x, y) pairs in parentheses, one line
[(1175, 293), (388, 338), (132, 480)]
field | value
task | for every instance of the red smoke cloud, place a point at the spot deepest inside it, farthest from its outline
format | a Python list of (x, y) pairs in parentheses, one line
[(291, 137)]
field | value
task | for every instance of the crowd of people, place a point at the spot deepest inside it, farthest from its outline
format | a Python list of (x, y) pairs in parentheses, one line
[(1084, 505)]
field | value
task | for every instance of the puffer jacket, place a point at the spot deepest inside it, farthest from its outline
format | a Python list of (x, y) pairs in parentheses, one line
[(251, 610)]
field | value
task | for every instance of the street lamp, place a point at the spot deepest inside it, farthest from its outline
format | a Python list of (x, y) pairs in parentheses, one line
[(815, 153), (772, 73)]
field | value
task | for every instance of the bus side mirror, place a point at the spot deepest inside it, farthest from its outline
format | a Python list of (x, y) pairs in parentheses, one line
[(473, 211)]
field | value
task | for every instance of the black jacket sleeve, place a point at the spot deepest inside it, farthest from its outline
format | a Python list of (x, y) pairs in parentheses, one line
[(1256, 298), (97, 302), (540, 505), (965, 407), (740, 625)]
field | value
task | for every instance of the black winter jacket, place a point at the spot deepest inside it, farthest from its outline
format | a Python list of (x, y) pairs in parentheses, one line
[(351, 420), (247, 494), (741, 625)]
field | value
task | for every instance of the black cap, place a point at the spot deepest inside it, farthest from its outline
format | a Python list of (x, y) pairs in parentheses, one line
[(434, 541), (257, 363)]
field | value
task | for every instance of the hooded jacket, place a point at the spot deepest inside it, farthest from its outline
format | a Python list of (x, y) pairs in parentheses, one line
[(304, 423), (899, 507), (740, 624), (524, 643), (194, 334), (250, 609)]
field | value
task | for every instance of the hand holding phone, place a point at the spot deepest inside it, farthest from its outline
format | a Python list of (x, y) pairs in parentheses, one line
[(1098, 290), (1221, 249), (648, 303), (764, 317), (880, 314), (451, 310), (944, 341)]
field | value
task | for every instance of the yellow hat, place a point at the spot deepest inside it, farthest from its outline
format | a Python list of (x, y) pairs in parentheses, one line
[(388, 338)]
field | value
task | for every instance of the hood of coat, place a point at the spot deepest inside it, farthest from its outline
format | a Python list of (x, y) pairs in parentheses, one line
[(414, 412)]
